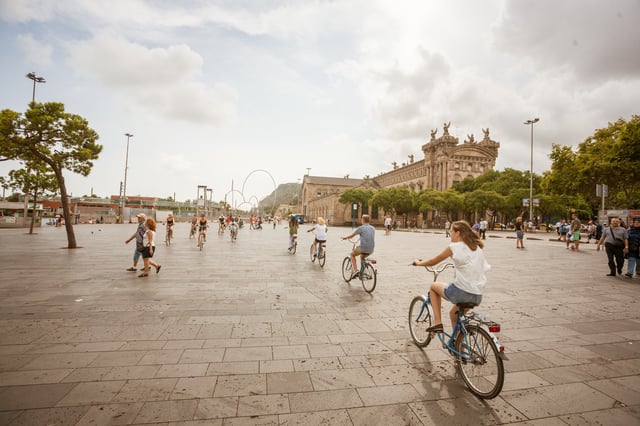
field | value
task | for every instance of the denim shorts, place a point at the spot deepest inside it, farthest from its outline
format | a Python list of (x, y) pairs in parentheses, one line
[(455, 295)]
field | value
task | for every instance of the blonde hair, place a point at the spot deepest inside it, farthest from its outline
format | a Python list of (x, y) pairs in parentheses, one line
[(467, 235), (320, 220)]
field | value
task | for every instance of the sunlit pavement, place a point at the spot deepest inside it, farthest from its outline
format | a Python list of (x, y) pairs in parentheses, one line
[(245, 333)]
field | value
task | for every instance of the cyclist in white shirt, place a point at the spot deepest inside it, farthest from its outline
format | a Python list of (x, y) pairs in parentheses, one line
[(321, 233)]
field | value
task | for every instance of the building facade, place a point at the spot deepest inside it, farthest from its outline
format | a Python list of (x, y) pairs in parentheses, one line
[(444, 163)]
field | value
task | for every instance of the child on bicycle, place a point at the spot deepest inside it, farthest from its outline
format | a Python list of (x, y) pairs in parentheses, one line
[(321, 233), (293, 230), (470, 267), (367, 242)]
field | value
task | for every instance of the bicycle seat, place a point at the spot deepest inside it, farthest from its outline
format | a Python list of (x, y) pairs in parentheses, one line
[(466, 305)]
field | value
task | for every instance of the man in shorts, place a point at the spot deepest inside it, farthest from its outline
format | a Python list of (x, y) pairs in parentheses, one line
[(367, 235), (575, 230)]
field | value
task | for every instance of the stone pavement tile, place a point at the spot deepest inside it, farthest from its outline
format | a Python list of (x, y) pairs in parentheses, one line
[(623, 389), (116, 359), (393, 394), (324, 400), (247, 354), (349, 327), (194, 387), (49, 416), (378, 360), (110, 414), (33, 377), (240, 385), (179, 331), (260, 405), (351, 338), (321, 328), (290, 352), (364, 348), (308, 340), (317, 418), (142, 332), (32, 396), (613, 417), (226, 368), (395, 374), (535, 333), (398, 414), (557, 400), (602, 338), (561, 375), (98, 334), (132, 372), (340, 379), (400, 345), (288, 329), (6, 417), (354, 361), (92, 393), (165, 356), (252, 421), (243, 330), (87, 374), (143, 345), (288, 382), (15, 349), (146, 390), (467, 410), (430, 389), (182, 370), (556, 358), (214, 408), (628, 366), (373, 325), (579, 353), (214, 331), (325, 350), (197, 356), (523, 380), (222, 343), (617, 351), (97, 347), (66, 360), (166, 411), (276, 366), (184, 344), (52, 348), (265, 341), (309, 364), (523, 361)]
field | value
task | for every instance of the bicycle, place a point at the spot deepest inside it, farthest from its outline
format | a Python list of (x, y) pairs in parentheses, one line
[(476, 350), (201, 238), (368, 273), (320, 253), (221, 227), (168, 235), (233, 232), (294, 244)]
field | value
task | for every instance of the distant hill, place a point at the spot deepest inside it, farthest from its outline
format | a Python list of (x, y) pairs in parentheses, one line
[(285, 193)]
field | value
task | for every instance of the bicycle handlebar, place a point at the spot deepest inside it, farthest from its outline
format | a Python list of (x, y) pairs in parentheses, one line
[(436, 268)]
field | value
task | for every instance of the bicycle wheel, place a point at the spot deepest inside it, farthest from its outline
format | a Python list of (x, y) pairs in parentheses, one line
[(369, 278), (200, 241), (322, 256), (420, 317), (312, 253), (479, 362), (346, 269)]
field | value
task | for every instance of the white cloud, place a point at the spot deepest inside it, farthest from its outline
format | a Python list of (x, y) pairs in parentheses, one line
[(36, 52), (161, 79)]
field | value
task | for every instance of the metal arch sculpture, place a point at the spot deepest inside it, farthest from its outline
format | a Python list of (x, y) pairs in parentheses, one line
[(275, 187)]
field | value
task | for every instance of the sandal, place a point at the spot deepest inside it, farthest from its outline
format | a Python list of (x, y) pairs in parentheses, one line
[(438, 328), (143, 275), (158, 268)]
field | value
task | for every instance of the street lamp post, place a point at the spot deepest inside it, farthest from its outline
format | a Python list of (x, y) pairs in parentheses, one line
[(36, 79), (531, 123), (124, 189)]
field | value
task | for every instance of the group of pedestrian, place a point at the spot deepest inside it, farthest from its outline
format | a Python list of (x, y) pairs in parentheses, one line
[(620, 243), (145, 245)]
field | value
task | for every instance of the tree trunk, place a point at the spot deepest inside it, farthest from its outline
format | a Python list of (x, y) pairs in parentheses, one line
[(71, 237), (33, 216)]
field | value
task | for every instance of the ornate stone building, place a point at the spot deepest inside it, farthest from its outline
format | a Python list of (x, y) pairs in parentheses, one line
[(445, 163)]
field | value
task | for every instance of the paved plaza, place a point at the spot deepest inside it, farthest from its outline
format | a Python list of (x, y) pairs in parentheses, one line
[(246, 334)]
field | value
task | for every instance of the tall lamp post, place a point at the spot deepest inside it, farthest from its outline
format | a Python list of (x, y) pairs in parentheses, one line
[(124, 189), (531, 123), (36, 79)]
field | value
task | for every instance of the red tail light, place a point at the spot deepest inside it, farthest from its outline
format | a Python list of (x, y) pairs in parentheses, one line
[(373, 261), (495, 328)]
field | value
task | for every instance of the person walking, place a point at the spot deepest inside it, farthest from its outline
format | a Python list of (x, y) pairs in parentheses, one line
[(387, 225), (615, 240), (447, 226), (367, 235), (149, 248), (519, 232), (293, 230), (483, 228), (138, 236), (633, 249), (575, 231)]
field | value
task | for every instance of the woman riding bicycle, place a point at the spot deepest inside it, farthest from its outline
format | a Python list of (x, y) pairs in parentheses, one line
[(202, 225), (470, 267), (293, 230), (169, 223), (321, 233)]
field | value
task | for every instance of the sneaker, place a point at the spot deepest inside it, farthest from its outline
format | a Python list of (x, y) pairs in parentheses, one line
[(628, 275), (131, 269)]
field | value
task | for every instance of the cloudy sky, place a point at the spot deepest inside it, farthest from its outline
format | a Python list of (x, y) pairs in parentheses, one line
[(214, 92)]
